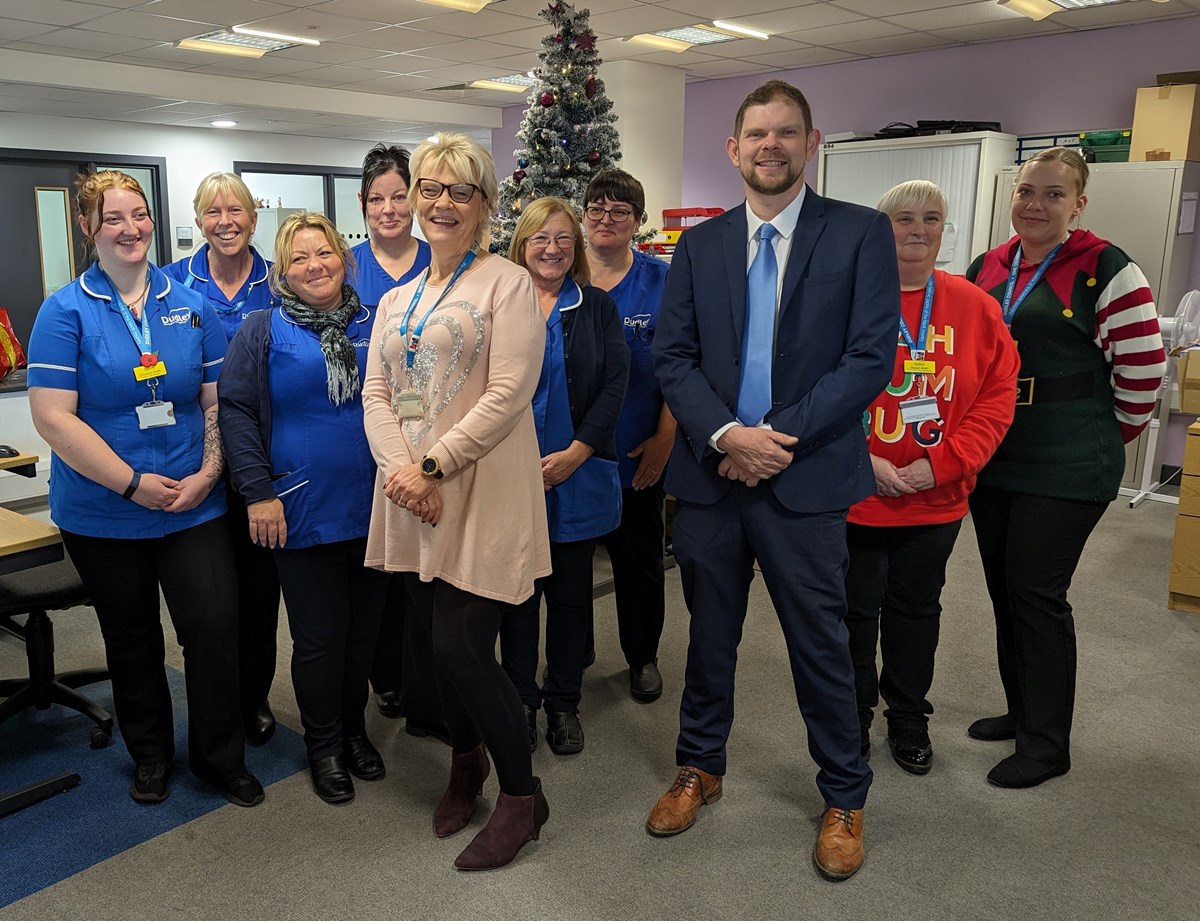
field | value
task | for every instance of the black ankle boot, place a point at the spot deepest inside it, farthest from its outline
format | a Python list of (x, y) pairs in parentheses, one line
[(330, 779)]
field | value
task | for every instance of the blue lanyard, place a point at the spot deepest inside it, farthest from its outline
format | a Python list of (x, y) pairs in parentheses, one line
[(923, 332), (1008, 306), (219, 308), (140, 338), (416, 299)]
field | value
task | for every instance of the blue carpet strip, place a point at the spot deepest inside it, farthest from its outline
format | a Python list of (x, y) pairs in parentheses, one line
[(58, 837)]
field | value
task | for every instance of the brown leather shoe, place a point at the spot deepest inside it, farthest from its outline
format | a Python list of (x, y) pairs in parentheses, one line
[(839, 850), (676, 809)]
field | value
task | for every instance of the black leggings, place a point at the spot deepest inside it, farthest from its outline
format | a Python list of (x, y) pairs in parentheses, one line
[(478, 699)]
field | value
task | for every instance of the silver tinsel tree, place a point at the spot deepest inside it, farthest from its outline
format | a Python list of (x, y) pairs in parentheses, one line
[(568, 131)]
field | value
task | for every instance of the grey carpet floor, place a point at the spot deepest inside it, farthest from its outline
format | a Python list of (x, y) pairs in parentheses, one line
[(1114, 839)]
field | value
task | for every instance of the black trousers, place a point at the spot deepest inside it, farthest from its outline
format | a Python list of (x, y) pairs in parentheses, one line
[(334, 604), (893, 598), (258, 607), (403, 659), (479, 701), (195, 570), (636, 551), (1030, 546), (568, 591)]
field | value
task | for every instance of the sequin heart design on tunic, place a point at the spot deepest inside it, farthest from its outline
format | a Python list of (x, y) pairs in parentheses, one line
[(465, 349)]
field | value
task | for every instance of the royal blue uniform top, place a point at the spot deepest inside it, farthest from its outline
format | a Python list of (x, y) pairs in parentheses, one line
[(587, 503), (323, 469), (371, 280), (638, 296), (80, 343), (192, 272)]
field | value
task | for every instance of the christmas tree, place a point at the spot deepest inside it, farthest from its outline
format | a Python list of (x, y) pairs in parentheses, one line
[(568, 131)]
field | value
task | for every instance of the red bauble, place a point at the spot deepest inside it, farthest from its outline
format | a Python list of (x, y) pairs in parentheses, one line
[(518, 175), (558, 38), (589, 88), (546, 99), (594, 157)]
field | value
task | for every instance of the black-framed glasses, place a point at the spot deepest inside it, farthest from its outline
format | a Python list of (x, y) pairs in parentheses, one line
[(617, 215), (461, 192)]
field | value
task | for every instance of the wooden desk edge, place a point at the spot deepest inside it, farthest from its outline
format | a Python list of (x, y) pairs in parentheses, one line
[(19, 532)]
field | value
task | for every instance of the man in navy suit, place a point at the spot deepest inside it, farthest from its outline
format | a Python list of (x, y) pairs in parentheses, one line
[(769, 452)]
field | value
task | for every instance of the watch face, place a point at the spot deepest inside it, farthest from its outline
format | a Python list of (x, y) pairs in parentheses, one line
[(429, 466)]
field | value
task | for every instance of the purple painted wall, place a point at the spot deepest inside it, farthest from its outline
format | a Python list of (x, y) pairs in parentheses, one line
[(504, 140), (1081, 81)]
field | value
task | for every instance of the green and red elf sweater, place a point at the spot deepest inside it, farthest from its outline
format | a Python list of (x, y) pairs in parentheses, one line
[(1092, 360), (975, 385)]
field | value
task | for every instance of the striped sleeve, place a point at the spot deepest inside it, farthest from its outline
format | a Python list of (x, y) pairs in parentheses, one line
[(1127, 331)]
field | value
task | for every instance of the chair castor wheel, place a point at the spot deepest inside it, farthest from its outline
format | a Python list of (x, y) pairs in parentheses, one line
[(100, 737)]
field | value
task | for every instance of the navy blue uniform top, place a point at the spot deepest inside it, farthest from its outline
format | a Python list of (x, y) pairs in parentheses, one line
[(638, 296), (192, 272), (371, 281), (80, 343)]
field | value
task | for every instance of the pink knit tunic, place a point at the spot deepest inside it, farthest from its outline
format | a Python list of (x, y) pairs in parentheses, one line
[(477, 366)]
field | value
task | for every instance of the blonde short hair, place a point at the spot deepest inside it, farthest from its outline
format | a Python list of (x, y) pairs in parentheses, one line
[(534, 218), (909, 196), (228, 184), (466, 160), (292, 225)]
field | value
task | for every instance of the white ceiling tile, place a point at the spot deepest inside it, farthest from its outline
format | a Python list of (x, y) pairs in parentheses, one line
[(52, 51), (1113, 15), (14, 30), (394, 83), (138, 24), (396, 39), (483, 24), (896, 7), (799, 19), (531, 8), (996, 31), (471, 50), (730, 10), (333, 53), (897, 44), (747, 48), (99, 43), (309, 24), (513, 64), (336, 75), (139, 59), (225, 12), (54, 12), (857, 31), (805, 57), (392, 12), (641, 19), (968, 14)]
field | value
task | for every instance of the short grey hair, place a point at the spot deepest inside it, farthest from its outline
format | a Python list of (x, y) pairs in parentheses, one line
[(909, 196)]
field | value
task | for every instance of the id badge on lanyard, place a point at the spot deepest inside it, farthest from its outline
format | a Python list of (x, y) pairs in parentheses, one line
[(921, 408)]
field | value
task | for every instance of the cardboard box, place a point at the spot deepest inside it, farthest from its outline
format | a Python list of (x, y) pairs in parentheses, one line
[(1166, 120), (1187, 366)]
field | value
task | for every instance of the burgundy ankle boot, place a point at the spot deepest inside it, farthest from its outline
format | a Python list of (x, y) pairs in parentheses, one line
[(467, 774), (516, 821)]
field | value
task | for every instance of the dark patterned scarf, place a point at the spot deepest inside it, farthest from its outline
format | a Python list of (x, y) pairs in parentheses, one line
[(341, 365)]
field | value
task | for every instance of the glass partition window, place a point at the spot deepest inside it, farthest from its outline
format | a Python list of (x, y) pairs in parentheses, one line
[(287, 190), (54, 238)]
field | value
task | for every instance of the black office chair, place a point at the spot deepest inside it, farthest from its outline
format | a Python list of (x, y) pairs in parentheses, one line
[(54, 587)]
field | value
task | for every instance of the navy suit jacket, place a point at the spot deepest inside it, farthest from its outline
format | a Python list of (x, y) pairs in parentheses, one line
[(835, 345)]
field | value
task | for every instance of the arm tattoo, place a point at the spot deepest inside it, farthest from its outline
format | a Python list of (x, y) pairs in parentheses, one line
[(214, 453)]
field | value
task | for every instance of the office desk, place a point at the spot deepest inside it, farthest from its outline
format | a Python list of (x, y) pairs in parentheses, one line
[(25, 543), (22, 465)]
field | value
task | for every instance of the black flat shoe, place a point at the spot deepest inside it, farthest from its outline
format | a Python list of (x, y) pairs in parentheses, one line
[(531, 726), (362, 758), (330, 779), (993, 729), (244, 790), (260, 725), (430, 730), (1017, 772), (390, 704), (645, 683), (151, 782), (564, 733), (911, 750)]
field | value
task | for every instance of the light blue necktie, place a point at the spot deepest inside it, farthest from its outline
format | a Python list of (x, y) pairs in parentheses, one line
[(754, 394)]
